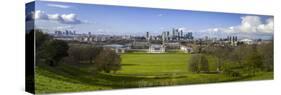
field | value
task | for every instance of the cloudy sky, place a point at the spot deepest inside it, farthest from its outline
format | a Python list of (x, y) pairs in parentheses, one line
[(116, 20)]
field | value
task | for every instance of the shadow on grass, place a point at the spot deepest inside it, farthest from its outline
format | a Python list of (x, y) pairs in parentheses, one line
[(77, 76), (129, 64), (73, 74)]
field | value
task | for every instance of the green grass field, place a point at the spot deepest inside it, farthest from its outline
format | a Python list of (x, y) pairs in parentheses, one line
[(138, 70)]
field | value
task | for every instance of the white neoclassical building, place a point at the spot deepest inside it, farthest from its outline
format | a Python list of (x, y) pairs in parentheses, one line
[(247, 41), (117, 48), (156, 48), (186, 49)]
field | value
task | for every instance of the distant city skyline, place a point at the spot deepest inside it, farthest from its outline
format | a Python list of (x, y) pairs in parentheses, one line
[(118, 20)]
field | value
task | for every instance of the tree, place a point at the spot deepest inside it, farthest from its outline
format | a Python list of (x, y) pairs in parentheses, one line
[(221, 53), (49, 50), (198, 63), (239, 54), (75, 53), (204, 64), (53, 51), (253, 61), (41, 38), (233, 71), (108, 61), (85, 53), (91, 53), (193, 63), (103, 59), (266, 52)]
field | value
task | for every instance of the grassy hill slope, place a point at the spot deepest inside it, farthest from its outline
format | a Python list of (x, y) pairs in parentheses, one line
[(138, 70)]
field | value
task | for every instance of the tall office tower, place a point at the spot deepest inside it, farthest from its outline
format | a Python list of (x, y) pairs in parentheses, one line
[(89, 33), (174, 30), (147, 35), (181, 34), (66, 32), (178, 36), (168, 35), (227, 38), (56, 32), (60, 32), (189, 35), (206, 38), (163, 37)]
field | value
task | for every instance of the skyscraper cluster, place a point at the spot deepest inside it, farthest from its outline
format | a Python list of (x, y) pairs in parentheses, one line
[(176, 35), (65, 33)]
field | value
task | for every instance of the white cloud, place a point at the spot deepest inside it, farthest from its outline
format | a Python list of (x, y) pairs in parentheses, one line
[(61, 18), (249, 24), (250, 27), (231, 28), (64, 27), (58, 6), (70, 18), (216, 29), (39, 15), (182, 29), (268, 27), (54, 17)]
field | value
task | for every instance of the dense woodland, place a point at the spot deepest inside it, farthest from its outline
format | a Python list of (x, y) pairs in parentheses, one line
[(235, 60), (53, 52)]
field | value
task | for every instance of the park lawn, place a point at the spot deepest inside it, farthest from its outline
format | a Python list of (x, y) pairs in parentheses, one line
[(157, 64), (138, 70), (143, 64)]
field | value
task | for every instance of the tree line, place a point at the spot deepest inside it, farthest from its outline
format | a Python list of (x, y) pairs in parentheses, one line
[(53, 52), (235, 61)]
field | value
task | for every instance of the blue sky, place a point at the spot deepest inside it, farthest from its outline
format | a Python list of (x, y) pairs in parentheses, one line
[(118, 20)]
